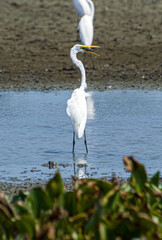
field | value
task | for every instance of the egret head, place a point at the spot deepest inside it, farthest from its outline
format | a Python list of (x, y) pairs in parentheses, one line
[(84, 48)]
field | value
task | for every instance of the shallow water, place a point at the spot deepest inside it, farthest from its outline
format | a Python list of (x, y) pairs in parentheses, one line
[(35, 129)]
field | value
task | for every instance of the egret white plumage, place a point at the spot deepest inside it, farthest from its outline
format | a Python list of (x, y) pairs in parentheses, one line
[(76, 105), (82, 7), (85, 27)]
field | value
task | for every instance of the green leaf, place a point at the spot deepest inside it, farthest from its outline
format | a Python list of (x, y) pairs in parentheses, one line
[(38, 201), (81, 217), (5, 206), (139, 177), (103, 231), (55, 188), (70, 203), (20, 210), (155, 179), (95, 218), (7, 226), (20, 197), (26, 225), (113, 201), (104, 186)]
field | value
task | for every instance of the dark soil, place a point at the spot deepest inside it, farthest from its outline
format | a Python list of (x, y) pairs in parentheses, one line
[(36, 37), (12, 189)]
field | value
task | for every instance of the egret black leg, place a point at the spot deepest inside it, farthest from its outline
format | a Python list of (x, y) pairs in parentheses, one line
[(85, 141), (78, 36), (84, 58), (92, 62), (73, 142), (77, 39)]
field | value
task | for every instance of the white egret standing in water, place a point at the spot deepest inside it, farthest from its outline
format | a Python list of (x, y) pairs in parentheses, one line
[(76, 105)]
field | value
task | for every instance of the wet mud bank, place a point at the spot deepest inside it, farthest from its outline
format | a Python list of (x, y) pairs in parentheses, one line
[(36, 37), (11, 189)]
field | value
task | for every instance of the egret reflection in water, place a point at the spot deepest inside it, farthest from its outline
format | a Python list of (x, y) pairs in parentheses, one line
[(90, 105), (80, 166)]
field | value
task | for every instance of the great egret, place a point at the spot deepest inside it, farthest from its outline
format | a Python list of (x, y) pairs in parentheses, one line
[(82, 8), (76, 105), (85, 27)]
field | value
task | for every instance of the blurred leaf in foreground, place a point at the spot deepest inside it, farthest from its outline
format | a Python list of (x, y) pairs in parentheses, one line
[(139, 177)]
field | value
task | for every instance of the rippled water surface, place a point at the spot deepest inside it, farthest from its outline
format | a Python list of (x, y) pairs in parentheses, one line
[(35, 129)]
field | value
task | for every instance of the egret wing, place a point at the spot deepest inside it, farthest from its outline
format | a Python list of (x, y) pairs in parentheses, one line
[(85, 28), (77, 110)]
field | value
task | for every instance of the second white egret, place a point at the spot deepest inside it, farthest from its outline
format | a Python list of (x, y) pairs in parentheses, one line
[(85, 27), (82, 8)]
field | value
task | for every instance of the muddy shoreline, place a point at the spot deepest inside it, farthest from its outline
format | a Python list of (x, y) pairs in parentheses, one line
[(36, 37), (12, 189)]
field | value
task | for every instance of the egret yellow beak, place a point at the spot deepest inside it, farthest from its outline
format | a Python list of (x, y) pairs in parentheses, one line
[(89, 49)]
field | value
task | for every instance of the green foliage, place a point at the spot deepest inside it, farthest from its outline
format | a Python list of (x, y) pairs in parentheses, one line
[(94, 210)]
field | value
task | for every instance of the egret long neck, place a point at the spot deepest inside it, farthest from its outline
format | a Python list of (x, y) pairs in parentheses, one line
[(92, 9), (79, 64)]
